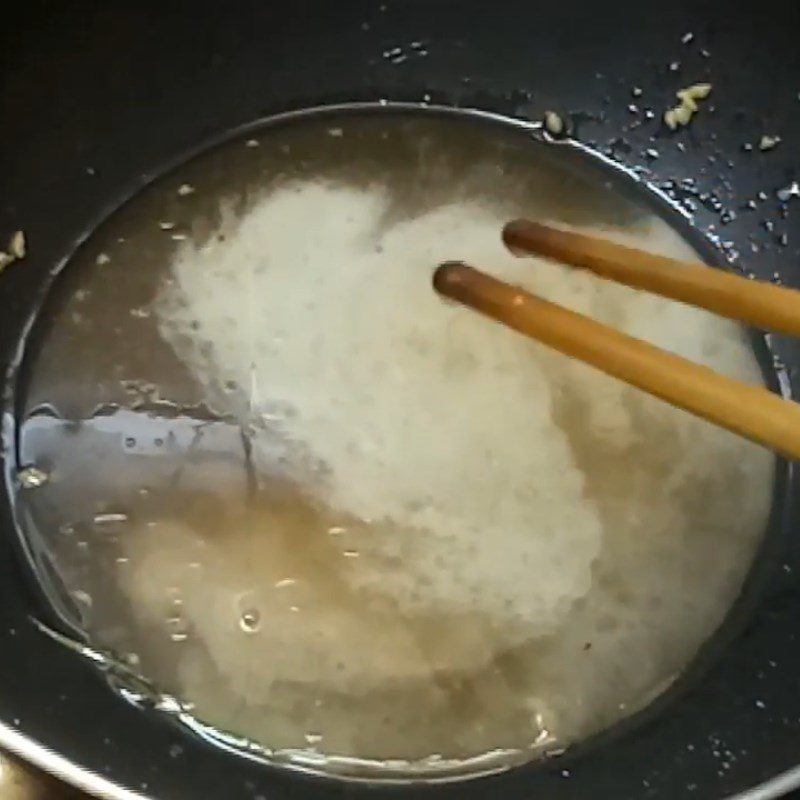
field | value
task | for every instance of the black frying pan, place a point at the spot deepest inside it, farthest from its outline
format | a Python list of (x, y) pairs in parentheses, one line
[(95, 98)]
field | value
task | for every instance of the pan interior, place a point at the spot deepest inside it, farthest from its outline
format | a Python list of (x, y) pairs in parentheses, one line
[(266, 468)]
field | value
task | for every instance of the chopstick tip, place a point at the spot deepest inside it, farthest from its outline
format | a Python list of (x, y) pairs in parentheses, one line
[(513, 236), (448, 274)]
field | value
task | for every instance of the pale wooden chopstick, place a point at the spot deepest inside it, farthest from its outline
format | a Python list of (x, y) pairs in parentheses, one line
[(750, 411), (763, 305)]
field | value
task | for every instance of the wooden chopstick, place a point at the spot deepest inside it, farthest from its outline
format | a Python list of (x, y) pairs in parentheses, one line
[(750, 411), (763, 305)]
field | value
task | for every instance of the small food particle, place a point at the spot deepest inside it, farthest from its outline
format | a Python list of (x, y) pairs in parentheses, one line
[(768, 142), (687, 37), (110, 518), (252, 143), (636, 91), (788, 192), (16, 250), (16, 246), (102, 258), (166, 226), (681, 114), (553, 123), (687, 101), (699, 91), (185, 189), (32, 477)]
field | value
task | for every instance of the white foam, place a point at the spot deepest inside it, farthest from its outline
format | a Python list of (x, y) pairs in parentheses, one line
[(422, 413)]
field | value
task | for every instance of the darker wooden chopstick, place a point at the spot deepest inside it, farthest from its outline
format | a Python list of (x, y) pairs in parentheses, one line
[(763, 305)]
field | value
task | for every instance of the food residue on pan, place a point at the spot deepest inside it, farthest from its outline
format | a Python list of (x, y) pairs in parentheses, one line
[(681, 114), (554, 123), (15, 251), (16, 247), (768, 142), (32, 477), (789, 192)]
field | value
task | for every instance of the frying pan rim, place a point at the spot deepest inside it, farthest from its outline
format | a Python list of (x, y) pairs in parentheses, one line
[(63, 769)]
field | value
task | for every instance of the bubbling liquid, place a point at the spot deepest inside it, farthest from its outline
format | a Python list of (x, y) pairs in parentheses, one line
[(338, 513)]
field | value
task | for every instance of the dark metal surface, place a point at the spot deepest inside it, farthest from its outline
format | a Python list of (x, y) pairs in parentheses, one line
[(94, 98)]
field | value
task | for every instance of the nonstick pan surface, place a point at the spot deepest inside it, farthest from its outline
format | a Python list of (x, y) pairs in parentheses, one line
[(96, 98)]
